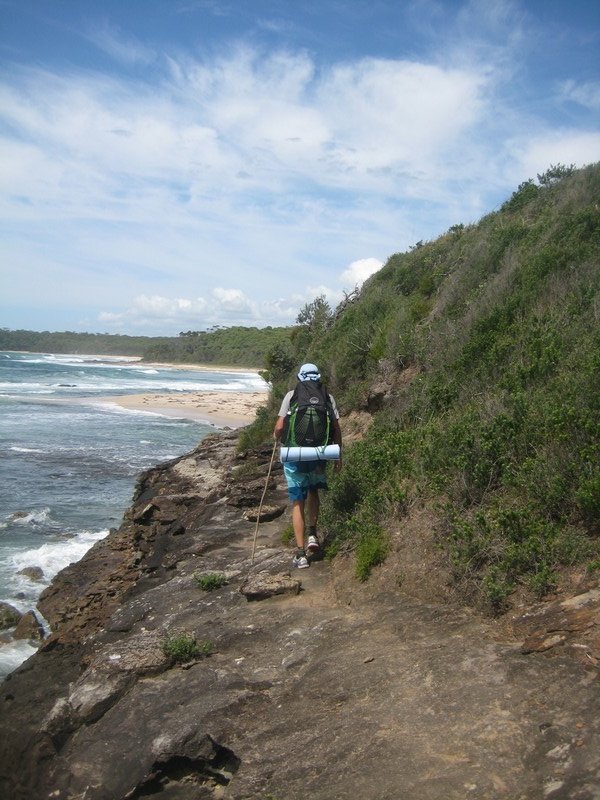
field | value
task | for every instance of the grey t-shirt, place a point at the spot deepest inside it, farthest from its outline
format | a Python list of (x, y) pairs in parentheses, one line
[(285, 405)]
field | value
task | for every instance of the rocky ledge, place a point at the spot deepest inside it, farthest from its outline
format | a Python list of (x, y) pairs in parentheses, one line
[(179, 667)]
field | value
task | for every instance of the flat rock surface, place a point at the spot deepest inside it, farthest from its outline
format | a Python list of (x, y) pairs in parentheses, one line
[(303, 695)]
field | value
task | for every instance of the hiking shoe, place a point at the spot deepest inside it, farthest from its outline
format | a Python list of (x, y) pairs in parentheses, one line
[(300, 561), (313, 545)]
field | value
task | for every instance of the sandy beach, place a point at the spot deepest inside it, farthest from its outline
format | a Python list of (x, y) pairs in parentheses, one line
[(222, 409)]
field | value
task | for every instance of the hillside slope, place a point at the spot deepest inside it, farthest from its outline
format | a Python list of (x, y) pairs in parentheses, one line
[(478, 356)]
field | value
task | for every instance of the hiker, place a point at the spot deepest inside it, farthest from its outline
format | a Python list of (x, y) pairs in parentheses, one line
[(305, 478)]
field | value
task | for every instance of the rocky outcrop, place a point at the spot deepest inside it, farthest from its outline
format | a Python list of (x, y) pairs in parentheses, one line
[(295, 688), (571, 625)]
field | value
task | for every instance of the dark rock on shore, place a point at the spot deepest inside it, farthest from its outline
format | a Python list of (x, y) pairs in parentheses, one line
[(33, 573), (29, 627), (316, 689), (9, 615)]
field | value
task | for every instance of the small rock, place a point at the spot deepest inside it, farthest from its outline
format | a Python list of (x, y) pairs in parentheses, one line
[(33, 573), (90, 700), (267, 513), (29, 628), (263, 586), (559, 752), (9, 615), (142, 514), (293, 661)]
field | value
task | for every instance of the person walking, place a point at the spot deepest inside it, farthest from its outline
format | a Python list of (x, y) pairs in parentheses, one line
[(305, 479)]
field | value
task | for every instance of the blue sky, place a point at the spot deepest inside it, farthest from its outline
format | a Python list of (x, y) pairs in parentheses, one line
[(169, 165)]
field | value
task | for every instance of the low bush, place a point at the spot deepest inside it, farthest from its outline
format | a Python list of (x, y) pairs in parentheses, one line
[(371, 549), (499, 547), (287, 534), (211, 581), (259, 431), (183, 647)]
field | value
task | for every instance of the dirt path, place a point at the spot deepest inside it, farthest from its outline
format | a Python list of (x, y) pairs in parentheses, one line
[(402, 699)]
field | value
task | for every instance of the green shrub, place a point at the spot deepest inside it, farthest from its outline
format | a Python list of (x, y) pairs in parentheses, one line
[(587, 497), (211, 581), (287, 534), (371, 550), (418, 307), (259, 431), (526, 192), (496, 589), (184, 647), (542, 581), (508, 545)]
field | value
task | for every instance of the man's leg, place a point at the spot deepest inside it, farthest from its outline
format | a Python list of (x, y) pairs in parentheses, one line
[(299, 559), (313, 503), (298, 522), (297, 491)]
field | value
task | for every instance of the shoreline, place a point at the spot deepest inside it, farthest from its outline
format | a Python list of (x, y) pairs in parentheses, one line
[(202, 367), (129, 360), (227, 409)]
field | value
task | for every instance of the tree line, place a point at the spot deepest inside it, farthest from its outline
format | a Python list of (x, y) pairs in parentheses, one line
[(235, 346)]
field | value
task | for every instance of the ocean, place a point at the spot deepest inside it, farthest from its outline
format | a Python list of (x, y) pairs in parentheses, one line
[(69, 459)]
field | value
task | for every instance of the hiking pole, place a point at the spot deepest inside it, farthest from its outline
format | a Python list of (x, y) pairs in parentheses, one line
[(261, 502)]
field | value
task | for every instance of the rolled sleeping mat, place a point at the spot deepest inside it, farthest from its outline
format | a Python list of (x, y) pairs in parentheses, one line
[(330, 452)]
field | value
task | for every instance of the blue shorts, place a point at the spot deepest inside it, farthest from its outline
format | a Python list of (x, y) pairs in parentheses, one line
[(303, 476)]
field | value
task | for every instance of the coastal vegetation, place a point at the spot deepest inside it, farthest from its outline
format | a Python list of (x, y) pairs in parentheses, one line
[(73, 343), (211, 581), (183, 647), (236, 346), (477, 356)]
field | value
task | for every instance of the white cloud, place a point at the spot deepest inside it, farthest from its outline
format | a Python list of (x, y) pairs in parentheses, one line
[(232, 300), (394, 117), (585, 94), (535, 154), (223, 306), (359, 126), (263, 172), (358, 271), (155, 312)]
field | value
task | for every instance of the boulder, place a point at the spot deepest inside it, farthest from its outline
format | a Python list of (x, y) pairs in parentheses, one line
[(263, 585), (267, 513), (29, 627), (9, 615), (33, 573)]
